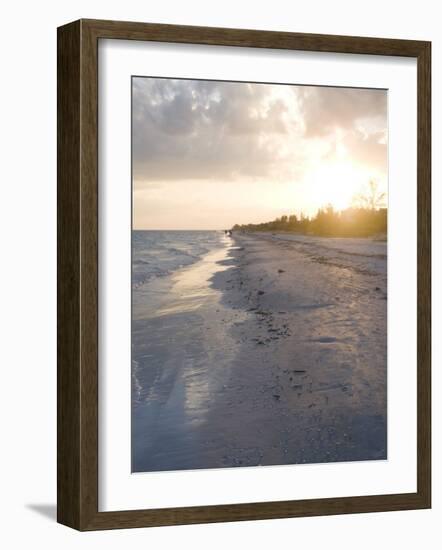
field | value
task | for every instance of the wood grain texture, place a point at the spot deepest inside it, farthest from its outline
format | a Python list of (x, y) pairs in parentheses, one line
[(68, 276), (253, 38), (89, 277), (424, 274), (77, 168)]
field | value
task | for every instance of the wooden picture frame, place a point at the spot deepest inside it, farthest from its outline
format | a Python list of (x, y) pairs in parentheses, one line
[(78, 274)]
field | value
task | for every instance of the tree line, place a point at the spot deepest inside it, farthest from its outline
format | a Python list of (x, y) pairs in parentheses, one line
[(365, 218)]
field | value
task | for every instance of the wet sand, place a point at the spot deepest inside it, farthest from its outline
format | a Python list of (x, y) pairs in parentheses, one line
[(269, 351)]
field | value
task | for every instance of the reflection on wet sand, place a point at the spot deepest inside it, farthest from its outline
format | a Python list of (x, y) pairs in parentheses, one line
[(181, 366), (264, 352), (191, 288)]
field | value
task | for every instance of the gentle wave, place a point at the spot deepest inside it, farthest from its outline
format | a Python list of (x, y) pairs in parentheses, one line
[(160, 253)]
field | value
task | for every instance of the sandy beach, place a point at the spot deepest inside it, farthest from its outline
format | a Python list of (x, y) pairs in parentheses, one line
[(270, 350)]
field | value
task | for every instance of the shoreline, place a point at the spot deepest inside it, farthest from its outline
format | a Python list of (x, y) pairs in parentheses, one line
[(380, 237), (282, 362)]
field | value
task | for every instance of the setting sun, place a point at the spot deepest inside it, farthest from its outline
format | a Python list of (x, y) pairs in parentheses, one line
[(259, 257), (226, 153), (336, 184)]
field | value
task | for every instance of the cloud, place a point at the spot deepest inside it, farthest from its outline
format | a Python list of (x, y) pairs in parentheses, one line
[(325, 109), (223, 131), (370, 150), (347, 119), (184, 129)]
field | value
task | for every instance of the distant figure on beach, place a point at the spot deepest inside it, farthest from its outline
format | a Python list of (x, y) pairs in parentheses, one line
[(228, 232)]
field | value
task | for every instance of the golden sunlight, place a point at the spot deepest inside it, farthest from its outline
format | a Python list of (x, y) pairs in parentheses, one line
[(335, 183)]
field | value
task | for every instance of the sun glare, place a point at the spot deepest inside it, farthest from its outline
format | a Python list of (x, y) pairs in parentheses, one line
[(336, 184)]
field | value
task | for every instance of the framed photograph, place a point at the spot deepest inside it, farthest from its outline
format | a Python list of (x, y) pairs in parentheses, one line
[(243, 274)]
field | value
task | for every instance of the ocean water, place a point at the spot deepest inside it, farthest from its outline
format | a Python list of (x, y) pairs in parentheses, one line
[(160, 253)]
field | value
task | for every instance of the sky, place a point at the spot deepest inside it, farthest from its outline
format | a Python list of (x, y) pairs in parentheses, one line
[(210, 154)]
